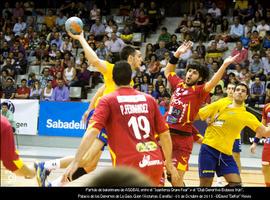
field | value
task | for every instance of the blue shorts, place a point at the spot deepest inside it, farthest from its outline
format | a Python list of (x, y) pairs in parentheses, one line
[(212, 161), (237, 146), (102, 135)]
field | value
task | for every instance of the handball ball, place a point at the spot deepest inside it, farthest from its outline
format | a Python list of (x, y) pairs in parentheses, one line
[(74, 25)]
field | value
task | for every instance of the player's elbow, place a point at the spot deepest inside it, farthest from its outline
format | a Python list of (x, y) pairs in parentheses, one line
[(99, 65), (95, 62), (266, 132), (263, 131)]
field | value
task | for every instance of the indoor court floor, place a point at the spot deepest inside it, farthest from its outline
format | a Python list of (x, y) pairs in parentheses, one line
[(250, 177)]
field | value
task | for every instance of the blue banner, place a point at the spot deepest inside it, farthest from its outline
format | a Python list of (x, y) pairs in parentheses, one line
[(61, 118)]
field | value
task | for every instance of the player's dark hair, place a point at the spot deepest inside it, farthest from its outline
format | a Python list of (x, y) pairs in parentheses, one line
[(242, 84), (122, 73), (203, 71), (126, 52)]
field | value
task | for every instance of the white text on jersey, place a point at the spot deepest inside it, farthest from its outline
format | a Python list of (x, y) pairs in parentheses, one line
[(127, 109)]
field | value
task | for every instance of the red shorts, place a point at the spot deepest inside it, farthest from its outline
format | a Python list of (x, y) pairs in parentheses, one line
[(182, 148), (150, 164), (9, 155), (266, 154), (13, 164), (155, 173)]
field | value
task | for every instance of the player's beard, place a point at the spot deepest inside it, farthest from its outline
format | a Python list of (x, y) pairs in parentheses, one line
[(191, 83)]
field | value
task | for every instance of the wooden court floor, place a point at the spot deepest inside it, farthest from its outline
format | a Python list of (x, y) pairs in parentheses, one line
[(250, 178)]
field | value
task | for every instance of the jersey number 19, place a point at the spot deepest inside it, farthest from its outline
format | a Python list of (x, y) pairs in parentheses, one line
[(139, 123)]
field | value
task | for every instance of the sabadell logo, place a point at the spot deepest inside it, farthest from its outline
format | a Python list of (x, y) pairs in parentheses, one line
[(64, 125)]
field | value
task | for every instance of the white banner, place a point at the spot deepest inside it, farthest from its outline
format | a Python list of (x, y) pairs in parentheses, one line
[(25, 115)]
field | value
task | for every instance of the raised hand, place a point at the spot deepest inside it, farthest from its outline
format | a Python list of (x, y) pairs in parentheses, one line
[(231, 59), (183, 48), (76, 37)]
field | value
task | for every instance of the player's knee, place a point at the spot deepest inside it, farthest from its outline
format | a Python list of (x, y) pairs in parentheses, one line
[(234, 184)]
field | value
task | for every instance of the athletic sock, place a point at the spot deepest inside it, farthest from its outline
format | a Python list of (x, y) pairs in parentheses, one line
[(219, 180), (52, 164)]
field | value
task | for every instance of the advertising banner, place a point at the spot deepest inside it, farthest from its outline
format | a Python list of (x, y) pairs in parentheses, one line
[(25, 113), (61, 118)]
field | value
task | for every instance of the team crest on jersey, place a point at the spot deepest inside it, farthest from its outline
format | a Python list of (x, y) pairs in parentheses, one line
[(218, 123), (180, 91), (146, 147), (268, 114), (146, 161), (171, 119)]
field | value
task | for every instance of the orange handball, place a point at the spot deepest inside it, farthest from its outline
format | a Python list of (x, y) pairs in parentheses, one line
[(74, 25)]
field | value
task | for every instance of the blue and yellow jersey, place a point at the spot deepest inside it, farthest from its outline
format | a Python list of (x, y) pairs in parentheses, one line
[(215, 108), (226, 125), (224, 102), (108, 81)]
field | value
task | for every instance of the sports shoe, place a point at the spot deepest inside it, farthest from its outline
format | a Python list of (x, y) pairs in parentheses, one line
[(219, 184), (41, 174)]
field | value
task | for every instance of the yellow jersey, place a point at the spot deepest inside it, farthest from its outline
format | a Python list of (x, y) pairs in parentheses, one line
[(108, 81), (225, 102), (226, 125), (215, 107)]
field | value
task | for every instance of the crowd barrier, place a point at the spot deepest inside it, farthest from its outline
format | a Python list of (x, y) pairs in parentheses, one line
[(34, 117), (61, 118)]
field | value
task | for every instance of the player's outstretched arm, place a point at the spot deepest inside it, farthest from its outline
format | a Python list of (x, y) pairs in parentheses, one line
[(262, 131), (218, 75), (87, 141), (90, 54), (94, 150), (170, 67)]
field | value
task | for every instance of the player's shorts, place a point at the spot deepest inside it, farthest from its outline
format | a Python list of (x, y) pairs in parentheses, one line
[(212, 161), (266, 153), (102, 135), (182, 148), (237, 146), (8, 154), (12, 163), (155, 173)]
